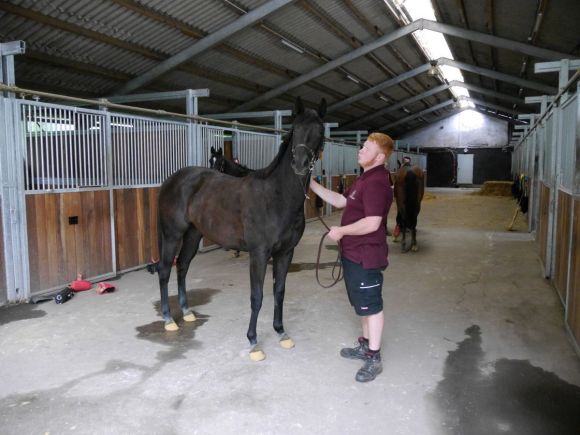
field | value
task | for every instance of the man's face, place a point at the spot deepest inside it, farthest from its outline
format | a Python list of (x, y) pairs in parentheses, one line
[(368, 154)]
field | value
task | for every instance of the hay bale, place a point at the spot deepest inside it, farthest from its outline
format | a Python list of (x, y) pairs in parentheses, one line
[(496, 188)]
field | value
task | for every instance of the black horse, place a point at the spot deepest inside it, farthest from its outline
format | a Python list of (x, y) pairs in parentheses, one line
[(262, 213), (221, 163), (409, 190)]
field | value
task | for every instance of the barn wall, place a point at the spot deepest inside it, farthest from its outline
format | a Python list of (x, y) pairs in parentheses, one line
[(466, 129)]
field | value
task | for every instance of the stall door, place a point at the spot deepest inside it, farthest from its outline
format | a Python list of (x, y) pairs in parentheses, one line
[(465, 169)]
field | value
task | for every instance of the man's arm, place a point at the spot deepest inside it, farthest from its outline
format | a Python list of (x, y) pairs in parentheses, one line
[(333, 198), (361, 227)]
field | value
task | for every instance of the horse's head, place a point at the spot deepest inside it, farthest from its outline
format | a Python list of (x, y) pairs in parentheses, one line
[(217, 159), (307, 137)]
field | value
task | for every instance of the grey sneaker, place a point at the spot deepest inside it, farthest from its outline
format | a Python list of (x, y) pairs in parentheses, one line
[(358, 352), (372, 367)]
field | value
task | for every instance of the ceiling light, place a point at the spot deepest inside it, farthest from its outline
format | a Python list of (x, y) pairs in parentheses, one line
[(406, 110), (385, 99), (433, 71), (352, 79), (292, 46)]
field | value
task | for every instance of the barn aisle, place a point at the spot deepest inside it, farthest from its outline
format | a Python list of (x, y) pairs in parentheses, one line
[(475, 343)]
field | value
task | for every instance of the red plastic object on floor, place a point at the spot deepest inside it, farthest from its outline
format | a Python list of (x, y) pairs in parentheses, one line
[(104, 287), (80, 284)]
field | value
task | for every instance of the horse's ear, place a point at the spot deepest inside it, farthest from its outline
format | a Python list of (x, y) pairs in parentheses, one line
[(322, 108), (212, 150), (219, 152), (298, 107)]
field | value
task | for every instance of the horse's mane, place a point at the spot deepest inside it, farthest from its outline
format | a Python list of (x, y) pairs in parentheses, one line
[(267, 171)]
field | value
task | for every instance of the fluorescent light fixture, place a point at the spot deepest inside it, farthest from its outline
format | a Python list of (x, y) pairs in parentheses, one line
[(352, 79), (385, 99), (406, 110), (292, 46)]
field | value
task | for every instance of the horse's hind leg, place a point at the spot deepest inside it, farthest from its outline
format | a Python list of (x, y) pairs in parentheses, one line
[(189, 248), (281, 265), (168, 249), (258, 262)]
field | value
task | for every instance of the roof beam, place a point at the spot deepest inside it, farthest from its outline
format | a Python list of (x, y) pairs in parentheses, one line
[(204, 44), (398, 106), (486, 91), (418, 114), (494, 106), (333, 64), (386, 84), (499, 76), (496, 41), (444, 61), (420, 24)]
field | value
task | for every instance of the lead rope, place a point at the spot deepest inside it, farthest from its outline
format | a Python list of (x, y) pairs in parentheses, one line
[(337, 263)]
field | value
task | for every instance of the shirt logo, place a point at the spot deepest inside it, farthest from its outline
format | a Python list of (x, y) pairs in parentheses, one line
[(352, 195)]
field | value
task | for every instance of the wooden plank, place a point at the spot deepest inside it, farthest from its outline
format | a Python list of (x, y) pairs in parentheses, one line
[(573, 312), (70, 207), (121, 246), (562, 239)]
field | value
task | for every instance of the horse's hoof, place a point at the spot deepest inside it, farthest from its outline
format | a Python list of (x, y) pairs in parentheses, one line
[(395, 240), (189, 317), (257, 355), (414, 249), (171, 326), (286, 342)]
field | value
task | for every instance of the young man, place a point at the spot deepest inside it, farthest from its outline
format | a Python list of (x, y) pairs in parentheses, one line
[(364, 247)]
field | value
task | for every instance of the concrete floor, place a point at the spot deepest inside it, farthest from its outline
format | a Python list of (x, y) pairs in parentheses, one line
[(474, 344)]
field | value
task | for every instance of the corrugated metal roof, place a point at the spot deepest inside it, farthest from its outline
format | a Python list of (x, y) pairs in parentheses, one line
[(93, 48)]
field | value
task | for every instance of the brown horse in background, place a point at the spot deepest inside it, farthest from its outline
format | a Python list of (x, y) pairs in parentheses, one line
[(409, 190)]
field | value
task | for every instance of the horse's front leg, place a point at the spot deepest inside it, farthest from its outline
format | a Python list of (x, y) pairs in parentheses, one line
[(258, 262), (414, 240), (281, 265)]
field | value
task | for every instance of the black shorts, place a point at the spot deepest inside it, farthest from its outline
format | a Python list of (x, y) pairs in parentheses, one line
[(364, 288)]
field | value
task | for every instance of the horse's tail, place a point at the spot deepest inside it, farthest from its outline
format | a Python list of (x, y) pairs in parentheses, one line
[(411, 199)]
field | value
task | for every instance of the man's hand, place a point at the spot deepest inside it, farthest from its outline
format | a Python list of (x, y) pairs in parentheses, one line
[(335, 233)]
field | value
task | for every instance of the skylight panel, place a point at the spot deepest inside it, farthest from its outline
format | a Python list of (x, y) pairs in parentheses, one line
[(433, 43)]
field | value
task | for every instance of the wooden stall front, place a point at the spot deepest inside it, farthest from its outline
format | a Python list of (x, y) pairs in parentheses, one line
[(68, 233), (542, 237), (136, 226), (573, 311), (562, 239)]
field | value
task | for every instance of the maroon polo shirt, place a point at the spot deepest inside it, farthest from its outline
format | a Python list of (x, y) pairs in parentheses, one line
[(370, 195)]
